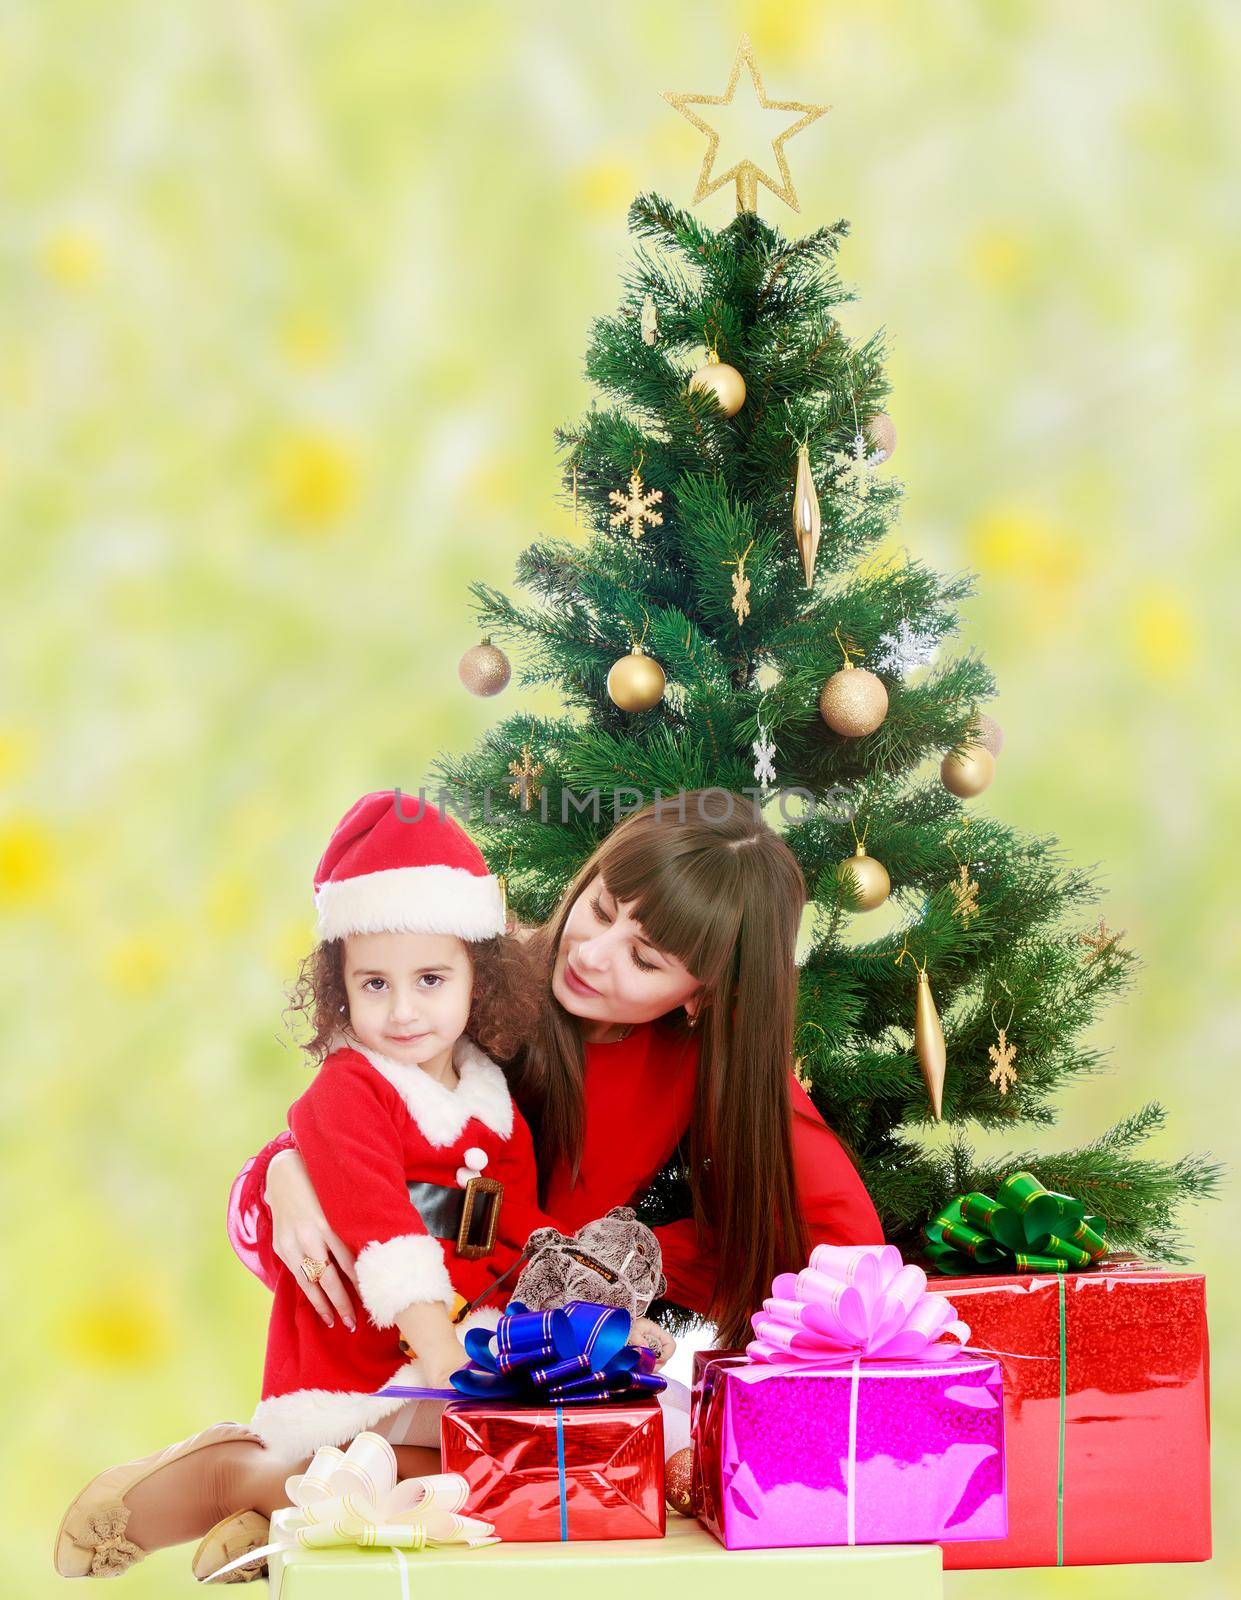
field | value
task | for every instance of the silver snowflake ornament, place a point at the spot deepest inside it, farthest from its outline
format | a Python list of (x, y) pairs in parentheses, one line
[(905, 650), (854, 472), (764, 751)]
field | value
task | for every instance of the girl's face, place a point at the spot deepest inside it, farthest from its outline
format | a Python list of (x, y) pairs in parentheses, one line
[(409, 994), (606, 970)]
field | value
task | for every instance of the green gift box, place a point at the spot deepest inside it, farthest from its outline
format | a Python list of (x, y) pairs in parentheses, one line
[(687, 1561)]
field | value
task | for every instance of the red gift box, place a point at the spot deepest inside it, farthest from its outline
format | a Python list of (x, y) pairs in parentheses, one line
[(560, 1472), (1106, 1415)]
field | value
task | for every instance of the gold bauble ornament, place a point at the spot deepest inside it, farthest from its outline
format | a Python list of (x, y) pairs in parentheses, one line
[(967, 772), (724, 382), (853, 702), (988, 733), (929, 1044), (484, 669), (871, 884), (881, 432), (806, 518), (679, 1481), (636, 681)]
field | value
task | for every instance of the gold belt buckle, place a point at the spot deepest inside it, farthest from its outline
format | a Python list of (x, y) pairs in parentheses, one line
[(480, 1216)]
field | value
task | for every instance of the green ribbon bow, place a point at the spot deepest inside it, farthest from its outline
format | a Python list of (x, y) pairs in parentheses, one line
[(1026, 1228)]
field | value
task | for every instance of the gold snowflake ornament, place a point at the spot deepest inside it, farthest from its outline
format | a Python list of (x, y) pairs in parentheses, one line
[(741, 594), (965, 897), (527, 774), (1100, 941), (635, 508), (1003, 1073)]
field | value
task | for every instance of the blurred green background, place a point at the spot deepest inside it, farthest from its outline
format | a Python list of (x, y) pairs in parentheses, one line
[(293, 296)]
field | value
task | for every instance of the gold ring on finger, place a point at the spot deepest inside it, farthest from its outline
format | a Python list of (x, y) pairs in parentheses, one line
[(313, 1269)]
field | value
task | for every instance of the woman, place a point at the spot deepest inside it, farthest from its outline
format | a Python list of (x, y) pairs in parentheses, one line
[(669, 1022)]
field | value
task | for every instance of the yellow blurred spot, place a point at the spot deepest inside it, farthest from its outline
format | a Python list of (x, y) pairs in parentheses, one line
[(314, 478), (995, 258), (138, 963), (777, 29), (230, 904), (605, 187), (1018, 543), (493, 483), (72, 258), (125, 1329), (26, 861), (1163, 635), (15, 751), (295, 940), (307, 341)]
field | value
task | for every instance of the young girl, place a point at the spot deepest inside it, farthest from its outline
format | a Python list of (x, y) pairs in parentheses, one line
[(426, 1170), (424, 1166)]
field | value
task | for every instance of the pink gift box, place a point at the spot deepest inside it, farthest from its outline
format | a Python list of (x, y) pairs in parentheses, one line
[(871, 1451)]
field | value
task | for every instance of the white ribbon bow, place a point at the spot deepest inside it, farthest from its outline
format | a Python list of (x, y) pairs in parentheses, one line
[(353, 1497)]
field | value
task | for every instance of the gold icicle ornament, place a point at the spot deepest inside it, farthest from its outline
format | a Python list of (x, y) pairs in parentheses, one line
[(807, 520), (929, 1044)]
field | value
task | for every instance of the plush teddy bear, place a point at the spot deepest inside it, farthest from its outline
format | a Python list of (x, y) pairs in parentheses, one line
[(614, 1261)]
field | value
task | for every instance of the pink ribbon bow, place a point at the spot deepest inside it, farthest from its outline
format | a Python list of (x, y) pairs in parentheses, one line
[(855, 1302)]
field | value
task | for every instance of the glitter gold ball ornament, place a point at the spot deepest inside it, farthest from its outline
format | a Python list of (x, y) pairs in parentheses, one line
[(853, 702), (967, 772), (678, 1481), (636, 681), (988, 733), (724, 382), (929, 1044), (870, 879), (484, 670), (881, 432), (806, 518)]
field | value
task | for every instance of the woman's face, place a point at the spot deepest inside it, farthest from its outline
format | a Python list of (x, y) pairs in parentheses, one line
[(606, 970)]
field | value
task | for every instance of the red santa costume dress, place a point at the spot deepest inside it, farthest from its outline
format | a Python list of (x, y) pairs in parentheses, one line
[(391, 1151)]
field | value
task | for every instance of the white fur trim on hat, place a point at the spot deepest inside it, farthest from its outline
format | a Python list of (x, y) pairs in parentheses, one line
[(442, 1113), (297, 1424), (402, 1272), (412, 900)]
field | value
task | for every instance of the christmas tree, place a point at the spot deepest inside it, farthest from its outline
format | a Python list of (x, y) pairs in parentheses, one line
[(732, 542)]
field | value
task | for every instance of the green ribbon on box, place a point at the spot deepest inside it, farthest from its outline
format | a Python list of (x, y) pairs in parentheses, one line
[(1026, 1228)]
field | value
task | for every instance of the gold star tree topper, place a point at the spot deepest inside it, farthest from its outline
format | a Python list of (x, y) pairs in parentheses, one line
[(747, 174)]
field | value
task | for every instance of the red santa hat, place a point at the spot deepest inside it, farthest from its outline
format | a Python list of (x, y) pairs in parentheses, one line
[(397, 865)]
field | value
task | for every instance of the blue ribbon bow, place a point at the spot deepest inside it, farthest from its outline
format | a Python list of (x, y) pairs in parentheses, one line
[(572, 1356)]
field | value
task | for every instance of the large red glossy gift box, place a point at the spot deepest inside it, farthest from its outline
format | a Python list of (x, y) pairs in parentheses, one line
[(560, 1472), (1106, 1409)]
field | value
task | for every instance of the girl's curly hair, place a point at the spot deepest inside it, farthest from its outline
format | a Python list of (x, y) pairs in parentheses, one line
[(504, 1010)]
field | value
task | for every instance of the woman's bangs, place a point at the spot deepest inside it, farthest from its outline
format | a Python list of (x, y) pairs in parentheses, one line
[(677, 896)]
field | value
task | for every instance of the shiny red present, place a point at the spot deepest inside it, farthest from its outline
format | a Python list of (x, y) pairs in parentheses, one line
[(1106, 1415), (560, 1472)]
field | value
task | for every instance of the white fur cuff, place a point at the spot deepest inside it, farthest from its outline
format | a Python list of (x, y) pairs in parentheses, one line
[(403, 1272)]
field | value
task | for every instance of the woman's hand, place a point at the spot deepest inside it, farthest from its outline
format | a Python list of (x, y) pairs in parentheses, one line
[(300, 1231), (648, 1333)]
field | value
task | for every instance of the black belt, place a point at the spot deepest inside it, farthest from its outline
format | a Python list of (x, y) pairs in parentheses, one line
[(468, 1216)]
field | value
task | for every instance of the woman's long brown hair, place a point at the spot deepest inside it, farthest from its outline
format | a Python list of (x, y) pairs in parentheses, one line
[(724, 895)]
